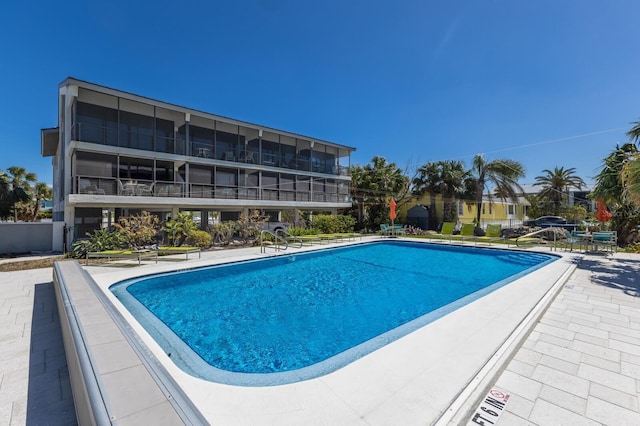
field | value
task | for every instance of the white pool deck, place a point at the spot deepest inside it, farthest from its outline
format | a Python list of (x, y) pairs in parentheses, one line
[(564, 342)]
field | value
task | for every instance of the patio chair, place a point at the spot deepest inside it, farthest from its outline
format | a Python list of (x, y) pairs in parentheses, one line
[(125, 190), (93, 189), (608, 239), (571, 239), (144, 189)]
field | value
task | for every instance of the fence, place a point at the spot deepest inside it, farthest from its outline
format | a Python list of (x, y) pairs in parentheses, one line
[(29, 237)]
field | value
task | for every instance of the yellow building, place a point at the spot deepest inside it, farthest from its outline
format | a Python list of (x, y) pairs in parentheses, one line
[(497, 211)]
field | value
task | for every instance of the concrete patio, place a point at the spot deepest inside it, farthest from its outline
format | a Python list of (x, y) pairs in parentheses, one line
[(579, 365)]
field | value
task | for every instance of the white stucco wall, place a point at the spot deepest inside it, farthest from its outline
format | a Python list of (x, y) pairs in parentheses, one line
[(27, 237)]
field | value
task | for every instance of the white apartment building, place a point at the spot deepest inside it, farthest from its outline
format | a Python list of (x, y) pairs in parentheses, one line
[(116, 154)]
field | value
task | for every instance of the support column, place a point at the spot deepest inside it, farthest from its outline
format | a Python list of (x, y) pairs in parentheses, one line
[(187, 142), (204, 219)]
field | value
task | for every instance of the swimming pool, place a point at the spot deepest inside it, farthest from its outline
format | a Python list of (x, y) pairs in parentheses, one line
[(296, 317)]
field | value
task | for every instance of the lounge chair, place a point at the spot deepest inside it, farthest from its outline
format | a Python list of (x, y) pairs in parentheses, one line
[(467, 232), (446, 231), (492, 233), (166, 250), (309, 239), (349, 236), (527, 240), (327, 237), (138, 255)]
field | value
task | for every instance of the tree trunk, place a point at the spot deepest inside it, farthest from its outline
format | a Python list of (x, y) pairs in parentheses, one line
[(433, 215)]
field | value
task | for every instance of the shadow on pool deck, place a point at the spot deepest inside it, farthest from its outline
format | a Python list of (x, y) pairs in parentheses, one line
[(49, 397), (623, 274)]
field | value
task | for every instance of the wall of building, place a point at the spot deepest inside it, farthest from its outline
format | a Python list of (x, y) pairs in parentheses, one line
[(494, 212), (28, 237)]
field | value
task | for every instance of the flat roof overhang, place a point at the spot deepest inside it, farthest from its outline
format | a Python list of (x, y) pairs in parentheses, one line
[(49, 141), (150, 101), (156, 203)]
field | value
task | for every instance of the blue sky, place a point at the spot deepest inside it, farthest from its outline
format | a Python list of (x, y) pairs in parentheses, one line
[(547, 83)]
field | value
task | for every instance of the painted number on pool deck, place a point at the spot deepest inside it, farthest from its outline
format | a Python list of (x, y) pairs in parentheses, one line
[(490, 409)]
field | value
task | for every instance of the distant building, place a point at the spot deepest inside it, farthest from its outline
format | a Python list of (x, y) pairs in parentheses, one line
[(577, 197), (46, 205), (494, 210), (116, 154)]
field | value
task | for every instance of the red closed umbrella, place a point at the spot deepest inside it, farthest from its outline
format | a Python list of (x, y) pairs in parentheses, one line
[(602, 214), (392, 214), (392, 209)]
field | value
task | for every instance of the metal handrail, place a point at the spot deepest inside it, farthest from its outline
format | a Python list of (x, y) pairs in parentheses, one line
[(539, 231), (276, 246), (289, 237)]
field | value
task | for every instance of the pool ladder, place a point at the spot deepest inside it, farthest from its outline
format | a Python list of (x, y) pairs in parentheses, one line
[(289, 238), (275, 242), (281, 240)]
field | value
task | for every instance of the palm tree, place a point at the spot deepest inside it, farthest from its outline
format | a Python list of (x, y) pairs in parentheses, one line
[(427, 181), (20, 187), (358, 187), (634, 133), (502, 175), (5, 195), (555, 184), (42, 192), (441, 177), (630, 178), (614, 184), (373, 185), (609, 184)]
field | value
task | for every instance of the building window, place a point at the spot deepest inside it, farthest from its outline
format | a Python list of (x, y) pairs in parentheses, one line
[(96, 124), (136, 131), (511, 209), (460, 208)]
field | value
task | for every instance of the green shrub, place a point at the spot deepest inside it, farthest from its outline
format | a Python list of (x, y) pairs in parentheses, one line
[(331, 224), (298, 231), (249, 226), (179, 228), (199, 238), (223, 232), (138, 230), (100, 240)]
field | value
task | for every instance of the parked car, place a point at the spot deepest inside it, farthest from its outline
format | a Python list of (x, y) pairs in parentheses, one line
[(546, 220), (275, 226)]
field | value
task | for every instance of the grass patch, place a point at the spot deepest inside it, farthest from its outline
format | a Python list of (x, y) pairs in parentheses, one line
[(22, 265)]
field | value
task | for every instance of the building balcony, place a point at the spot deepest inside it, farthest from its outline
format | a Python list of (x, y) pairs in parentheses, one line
[(145, 140), (105, 188)]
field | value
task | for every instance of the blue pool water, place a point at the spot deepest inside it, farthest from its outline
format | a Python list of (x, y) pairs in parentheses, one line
[(293, 317)]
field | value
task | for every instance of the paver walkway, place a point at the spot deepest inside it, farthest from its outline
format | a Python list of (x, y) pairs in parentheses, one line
[(581, 364), (34, 380)]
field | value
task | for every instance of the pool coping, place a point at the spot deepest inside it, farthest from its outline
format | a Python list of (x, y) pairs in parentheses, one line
[(90, 327), (341, 389)]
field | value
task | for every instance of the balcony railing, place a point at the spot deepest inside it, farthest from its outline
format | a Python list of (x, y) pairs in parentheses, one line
[(91, 185), (112, 136)]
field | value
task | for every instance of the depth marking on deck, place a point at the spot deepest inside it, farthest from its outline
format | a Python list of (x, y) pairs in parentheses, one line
[(490, 409)]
